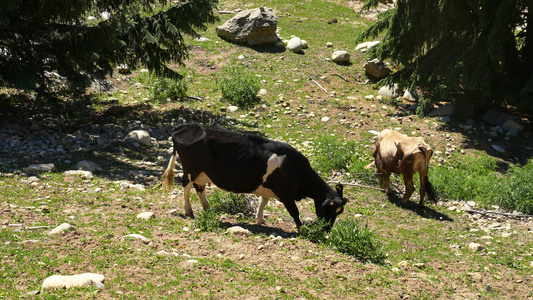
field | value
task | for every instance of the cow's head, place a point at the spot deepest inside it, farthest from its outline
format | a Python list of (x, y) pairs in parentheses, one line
[(333, 206)]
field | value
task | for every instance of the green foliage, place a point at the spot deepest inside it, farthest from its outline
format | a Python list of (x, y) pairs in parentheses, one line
[(239, 88), (426, 105), (483, 182), (349, 238), (332, 154), (37, 42), (231, 203), (207, 220), (346, 237), (515, 191), (166, 89), (314, 231), (458, 46)]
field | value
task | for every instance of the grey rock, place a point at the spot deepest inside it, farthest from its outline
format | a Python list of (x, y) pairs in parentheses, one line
[(377, 68), (513, 127), (61, 228), (496, 117), (87, 165), (340, 56), (252, 27), (389, 92), (140, 136), (33, 169)]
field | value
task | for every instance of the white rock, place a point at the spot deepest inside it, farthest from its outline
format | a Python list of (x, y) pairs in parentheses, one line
[(340, 56), (145, 215), (295, 44), (140, 136), (325, 119), (233, 108), (61, 228), (137, 237), (498, 148), (68, 281), (363, 47), (238, 231), (476, 247), (81, 173)]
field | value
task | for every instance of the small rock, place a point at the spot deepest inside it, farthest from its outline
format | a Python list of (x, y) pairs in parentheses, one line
[(34, 169), (61, 228), (476, 247), (87, 165), (403, 264), (239, 231), (295, 44), (233, 108), (140, 136), (340, 56), (69, 281), (81, 173), (145, 215), (137, 237)]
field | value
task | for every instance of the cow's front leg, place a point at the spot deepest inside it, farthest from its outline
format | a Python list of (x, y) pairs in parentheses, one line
[(186, 200), (259, 215), (409, 188), (384, 181), (290, 205)]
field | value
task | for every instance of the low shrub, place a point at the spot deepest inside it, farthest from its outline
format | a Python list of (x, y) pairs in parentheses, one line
[(231, 203), (165, 89), (207, 220), (332, 154), (240, 89), (346, 237)]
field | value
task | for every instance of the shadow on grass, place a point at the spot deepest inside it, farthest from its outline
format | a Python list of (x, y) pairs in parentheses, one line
[(426, 212), (259, 229)]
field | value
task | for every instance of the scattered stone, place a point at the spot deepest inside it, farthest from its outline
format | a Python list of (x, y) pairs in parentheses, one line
[(137, 237), (233, 108), (476, 247), (498, 148), (252, 27), (163, 253), (363, 47), (445, 110), (295, 44), (61, 228), (239, 231), (140, 136), (496, 117), (389, 92), (325, 119), (411, 96), (34, 169), (420, 265), (69, 281), (82, 174), (145, 215), (377, 69), (127, 185), (87, 165), (329, 44), (340, 56), (403, 264), (513, 127)]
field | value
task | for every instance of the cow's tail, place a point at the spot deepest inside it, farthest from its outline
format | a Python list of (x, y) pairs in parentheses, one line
[(168, 176)]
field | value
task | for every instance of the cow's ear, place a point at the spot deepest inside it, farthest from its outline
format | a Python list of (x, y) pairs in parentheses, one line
[(339, 188)]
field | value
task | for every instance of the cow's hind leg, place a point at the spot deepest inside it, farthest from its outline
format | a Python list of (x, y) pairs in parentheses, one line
[(409, 188), (200, 190), (186, 200), (259, 215)]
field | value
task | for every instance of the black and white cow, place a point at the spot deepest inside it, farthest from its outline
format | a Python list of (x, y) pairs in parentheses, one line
[(247, 163)]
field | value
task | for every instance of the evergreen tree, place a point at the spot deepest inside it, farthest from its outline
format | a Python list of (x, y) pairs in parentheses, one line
[(482, 48), (85, 39)]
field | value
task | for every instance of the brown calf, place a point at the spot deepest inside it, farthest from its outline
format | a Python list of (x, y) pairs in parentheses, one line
[(397, 153)]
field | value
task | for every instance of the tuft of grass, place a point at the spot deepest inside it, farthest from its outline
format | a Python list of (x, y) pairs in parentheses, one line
[(165, 89), (239, 88), (231, 203), (314, 231), (515, 190), (346, 237), (349, 238), (333, 154), (207, 220)]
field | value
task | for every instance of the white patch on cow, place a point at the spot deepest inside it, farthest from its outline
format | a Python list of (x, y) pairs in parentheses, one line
[(338, 210), (273, 163)]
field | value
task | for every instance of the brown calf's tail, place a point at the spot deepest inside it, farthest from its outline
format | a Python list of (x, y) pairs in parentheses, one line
[(432, 195), (168, 176)]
